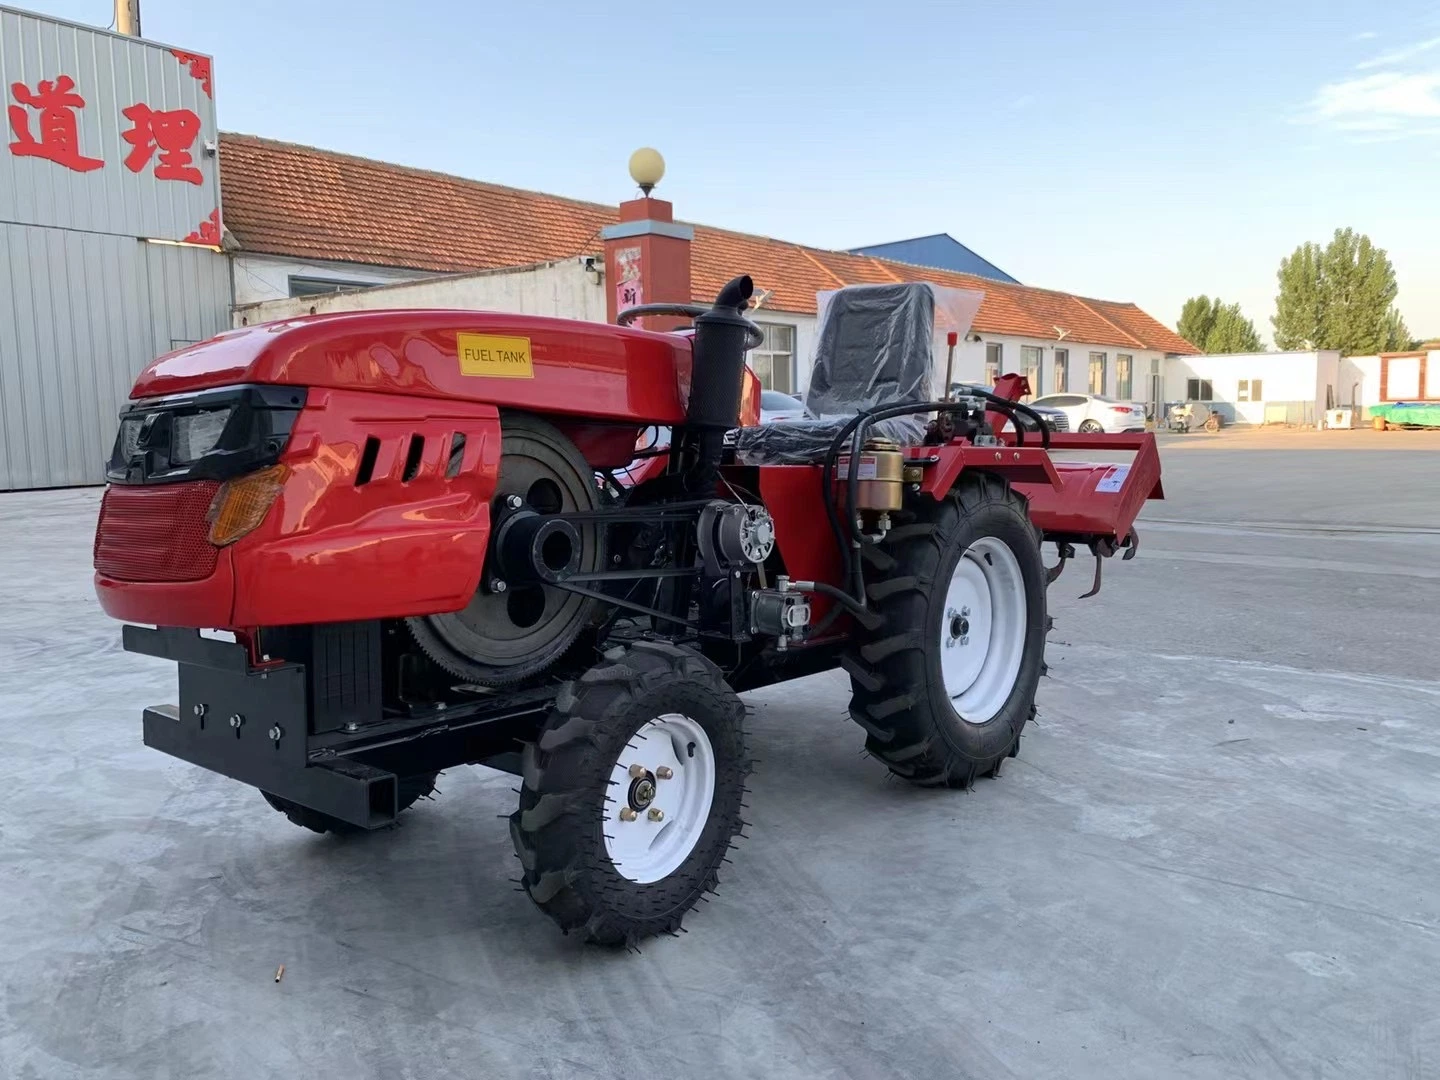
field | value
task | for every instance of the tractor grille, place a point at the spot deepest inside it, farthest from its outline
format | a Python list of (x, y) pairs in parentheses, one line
[(156, 532)]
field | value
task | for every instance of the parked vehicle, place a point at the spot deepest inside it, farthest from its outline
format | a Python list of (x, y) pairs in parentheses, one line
[(1186, 416), (1055, 419), (430, 562), (775, 406), (1094, 413)]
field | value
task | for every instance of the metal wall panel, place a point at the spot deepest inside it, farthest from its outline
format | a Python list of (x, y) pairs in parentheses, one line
[(110, 73), (80, 314)]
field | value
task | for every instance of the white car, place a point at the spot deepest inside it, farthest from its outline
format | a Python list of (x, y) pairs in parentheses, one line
[(1091, 412), (777, 406)]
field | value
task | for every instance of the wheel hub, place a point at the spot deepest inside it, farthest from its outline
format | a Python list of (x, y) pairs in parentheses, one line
[(667, 771), (642, 792), (983, 630)]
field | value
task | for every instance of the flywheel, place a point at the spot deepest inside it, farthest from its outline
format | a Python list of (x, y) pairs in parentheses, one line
[(504, 637)]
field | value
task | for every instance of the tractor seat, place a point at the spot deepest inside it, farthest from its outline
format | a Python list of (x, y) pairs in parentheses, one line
[(873, 348)]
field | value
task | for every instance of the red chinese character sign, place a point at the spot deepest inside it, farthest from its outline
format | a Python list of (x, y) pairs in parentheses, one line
[(630, 289), (172, 132), (56, 135), (93, 93)]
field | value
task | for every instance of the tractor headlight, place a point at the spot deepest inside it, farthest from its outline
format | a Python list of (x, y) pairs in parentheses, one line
[(195, 435)]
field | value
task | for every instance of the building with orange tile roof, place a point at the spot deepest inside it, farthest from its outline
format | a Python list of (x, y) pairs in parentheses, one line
[(303, 222)]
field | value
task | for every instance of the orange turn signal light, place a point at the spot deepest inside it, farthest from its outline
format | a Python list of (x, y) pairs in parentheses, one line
[(242, 503)]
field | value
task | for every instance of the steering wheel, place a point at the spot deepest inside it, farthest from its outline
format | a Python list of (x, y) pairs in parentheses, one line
[(754, 336)]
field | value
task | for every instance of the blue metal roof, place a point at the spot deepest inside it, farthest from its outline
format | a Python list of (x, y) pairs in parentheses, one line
[(941, 251)]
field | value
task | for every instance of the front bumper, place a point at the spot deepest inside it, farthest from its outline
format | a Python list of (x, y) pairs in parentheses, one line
[(252, 725)]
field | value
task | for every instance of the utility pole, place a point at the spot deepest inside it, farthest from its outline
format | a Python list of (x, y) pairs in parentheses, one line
[(127, 17)]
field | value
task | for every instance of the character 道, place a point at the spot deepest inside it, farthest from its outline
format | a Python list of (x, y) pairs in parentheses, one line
[(59, 135)]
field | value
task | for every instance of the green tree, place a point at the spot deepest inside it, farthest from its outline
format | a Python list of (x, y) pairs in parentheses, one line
[(1397, 334), (1197, 319), (1340, 296), (1233, 332), (1213, 326)]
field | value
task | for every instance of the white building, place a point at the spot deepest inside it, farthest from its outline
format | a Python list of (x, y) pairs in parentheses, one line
[(1300, 387), (314, 230), (1259, 388)]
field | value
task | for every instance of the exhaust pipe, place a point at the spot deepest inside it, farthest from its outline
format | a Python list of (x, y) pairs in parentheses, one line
[(722, 337)]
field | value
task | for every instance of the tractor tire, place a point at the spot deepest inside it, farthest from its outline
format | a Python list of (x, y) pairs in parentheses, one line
[(653, 729), (939, 708), (411, 789)]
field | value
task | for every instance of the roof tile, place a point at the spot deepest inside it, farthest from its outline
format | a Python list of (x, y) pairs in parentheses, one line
[(284, 199)]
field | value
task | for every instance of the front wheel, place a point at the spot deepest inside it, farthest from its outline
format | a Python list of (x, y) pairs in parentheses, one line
[(631, 794), (947, 682), (1091, 427)]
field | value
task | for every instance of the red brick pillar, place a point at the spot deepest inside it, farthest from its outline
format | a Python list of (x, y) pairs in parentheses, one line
[(647, 260)]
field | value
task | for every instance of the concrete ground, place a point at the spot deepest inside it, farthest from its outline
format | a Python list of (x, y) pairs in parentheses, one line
[(1215, 856)]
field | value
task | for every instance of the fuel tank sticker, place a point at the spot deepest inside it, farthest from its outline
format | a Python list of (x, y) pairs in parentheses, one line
[(496, 357)]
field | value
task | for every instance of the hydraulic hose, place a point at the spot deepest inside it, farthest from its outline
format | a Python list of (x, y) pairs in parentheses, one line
[(855, 429)]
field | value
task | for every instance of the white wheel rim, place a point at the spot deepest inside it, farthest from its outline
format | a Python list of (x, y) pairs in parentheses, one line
[(982, 630), (675, 758)]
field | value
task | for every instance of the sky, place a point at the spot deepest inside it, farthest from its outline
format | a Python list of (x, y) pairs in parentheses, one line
[(1125, 150)]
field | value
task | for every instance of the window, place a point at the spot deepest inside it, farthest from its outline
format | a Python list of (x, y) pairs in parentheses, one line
[(1198, 390), (1250, 390), (1123, 363), (773, 360), (1062, 370), (994, 362), (1097, 373), (312, 286), (1030, 364)]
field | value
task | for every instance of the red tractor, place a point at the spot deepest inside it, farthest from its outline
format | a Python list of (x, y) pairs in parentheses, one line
[(428, 541)]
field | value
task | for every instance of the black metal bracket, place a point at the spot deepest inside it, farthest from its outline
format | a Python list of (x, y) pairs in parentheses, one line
[(1066, 553), (628, 605), (1104, 548)]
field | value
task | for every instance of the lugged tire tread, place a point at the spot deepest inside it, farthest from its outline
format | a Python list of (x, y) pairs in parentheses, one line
[(904, 728)]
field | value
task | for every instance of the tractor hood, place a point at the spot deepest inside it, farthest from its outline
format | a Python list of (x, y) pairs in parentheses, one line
[(517, 361)]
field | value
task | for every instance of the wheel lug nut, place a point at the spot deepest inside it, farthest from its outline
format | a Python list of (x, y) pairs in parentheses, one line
[(637, 771), (664, 772), (655, 814), (626, 814), (513, 502)]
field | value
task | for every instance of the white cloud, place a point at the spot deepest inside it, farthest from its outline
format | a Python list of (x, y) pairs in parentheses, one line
[(1365, 35), (1382, 101), (1399, 56)]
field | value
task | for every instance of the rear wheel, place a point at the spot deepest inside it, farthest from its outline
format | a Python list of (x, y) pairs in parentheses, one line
[(631, 795), (947, 682)]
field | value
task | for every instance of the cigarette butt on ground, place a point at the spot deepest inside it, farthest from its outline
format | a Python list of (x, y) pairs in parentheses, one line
[(280, 973)]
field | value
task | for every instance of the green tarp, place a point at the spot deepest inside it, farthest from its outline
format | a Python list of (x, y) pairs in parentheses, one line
[(1402, 413)]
